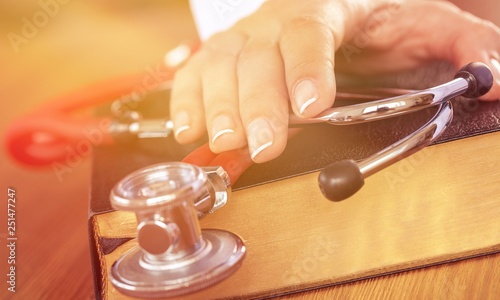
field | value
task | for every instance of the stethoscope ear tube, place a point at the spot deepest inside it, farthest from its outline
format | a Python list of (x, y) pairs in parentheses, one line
[(343, 179)]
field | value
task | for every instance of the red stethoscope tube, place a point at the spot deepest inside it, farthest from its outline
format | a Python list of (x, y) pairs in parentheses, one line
[(234, 162), (41, 137), (44, 136)]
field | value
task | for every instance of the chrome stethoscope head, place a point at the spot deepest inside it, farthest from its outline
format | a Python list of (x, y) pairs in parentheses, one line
[(343, 179), (174, 256)]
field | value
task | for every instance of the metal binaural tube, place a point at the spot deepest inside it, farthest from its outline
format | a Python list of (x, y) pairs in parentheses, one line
[(389, 107), (409, 145), (343, 179)]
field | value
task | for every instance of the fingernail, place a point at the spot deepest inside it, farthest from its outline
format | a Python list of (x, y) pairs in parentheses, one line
[(305, 94), (181, 122), (260, 136), (221, 125)]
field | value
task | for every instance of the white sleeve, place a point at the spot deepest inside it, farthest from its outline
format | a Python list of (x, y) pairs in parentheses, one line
[(212, 16)]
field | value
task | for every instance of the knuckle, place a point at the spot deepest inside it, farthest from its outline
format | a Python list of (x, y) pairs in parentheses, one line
[(262, 99), (306, 21), (219, 65), (227, 43), (216, 103), (221, 49), (259, 44), (250, 99), (311, 27), (314, 65), (255, 49)]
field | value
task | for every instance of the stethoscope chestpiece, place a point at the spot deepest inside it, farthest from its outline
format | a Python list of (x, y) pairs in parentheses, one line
[(343, 179), (174, 256)]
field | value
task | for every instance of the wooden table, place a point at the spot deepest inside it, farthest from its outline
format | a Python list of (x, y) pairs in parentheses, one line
[(85, 43)]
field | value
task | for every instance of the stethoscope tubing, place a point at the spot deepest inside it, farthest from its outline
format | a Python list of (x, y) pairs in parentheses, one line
[(413, 143)]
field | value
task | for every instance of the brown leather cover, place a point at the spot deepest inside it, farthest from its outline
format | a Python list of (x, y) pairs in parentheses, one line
[(314, 148)]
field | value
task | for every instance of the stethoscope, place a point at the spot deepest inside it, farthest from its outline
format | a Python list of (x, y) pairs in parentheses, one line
[(174, 255), (168, 199)]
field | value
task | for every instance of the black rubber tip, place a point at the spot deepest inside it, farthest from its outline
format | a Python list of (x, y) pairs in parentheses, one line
[(479, 77), (340, 180)]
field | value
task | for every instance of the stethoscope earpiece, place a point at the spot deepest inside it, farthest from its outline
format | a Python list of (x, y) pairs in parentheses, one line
[(479, 78), (340, 180)]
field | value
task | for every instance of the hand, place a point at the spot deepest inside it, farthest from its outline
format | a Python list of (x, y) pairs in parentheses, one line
[(394, 37), (243, 82)]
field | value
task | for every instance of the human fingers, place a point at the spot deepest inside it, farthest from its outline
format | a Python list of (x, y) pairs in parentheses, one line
[(462, 38), (220, 92), (263, 98), (402, 40), (186, 103), (480, 41), (307, 46)]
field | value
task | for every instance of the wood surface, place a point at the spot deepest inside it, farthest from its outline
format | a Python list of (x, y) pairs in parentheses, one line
[(90, 41)]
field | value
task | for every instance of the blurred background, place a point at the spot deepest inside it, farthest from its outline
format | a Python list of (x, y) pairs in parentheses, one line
[(81, 42)]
